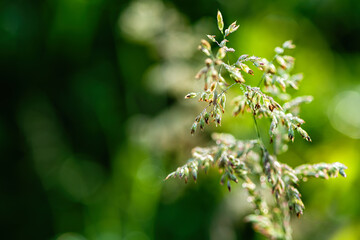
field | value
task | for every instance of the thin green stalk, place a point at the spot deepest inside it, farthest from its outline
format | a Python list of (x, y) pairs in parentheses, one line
[(274, 147), (262, 78), (263, 148)]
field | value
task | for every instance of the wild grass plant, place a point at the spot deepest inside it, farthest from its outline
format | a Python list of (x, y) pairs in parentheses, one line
[(250, 163)]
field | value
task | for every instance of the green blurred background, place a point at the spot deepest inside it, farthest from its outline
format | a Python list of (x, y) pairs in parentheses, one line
[(93, 117)]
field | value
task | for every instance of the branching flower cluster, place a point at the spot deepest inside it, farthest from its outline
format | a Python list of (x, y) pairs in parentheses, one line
[(249, 161)]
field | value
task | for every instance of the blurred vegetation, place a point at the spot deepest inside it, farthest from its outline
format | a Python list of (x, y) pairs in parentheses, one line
[(92, 116)]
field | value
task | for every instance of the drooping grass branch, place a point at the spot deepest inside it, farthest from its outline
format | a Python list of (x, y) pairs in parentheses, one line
[(249, 161)]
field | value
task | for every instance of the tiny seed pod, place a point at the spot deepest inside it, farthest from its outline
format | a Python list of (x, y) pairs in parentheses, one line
[(233, 178), (222, 102), (281, 83), (206, 84), (275, 104), (190, 95), (242, 58), (170, 175), (202, 123), (289, 59), (304, 134), (254, 100), (279, 50), (204, 50), (229, 185), (194, 174), (237, 76), (208, 62), (197, 119), (271, 107), (221, 53), (211, 97), (206, 117), (250, 95), (218, 62), (193, 128), (213, 86), (205, 44), (206, 166), (220, 21), (233, 27), (203, 97), (294, 85), (211, 37), (214, 75), (267, 80), (186, 174), (273, 124), (177, 172), (180, 171), (342, 172), (246, 68), (297, 77), (229, 49), (218, 119), (288, 45), (221, 79), (223, 178), (272, 68), (218, 110), (291, 134), (258, 102), (281, 61), (257, 64)]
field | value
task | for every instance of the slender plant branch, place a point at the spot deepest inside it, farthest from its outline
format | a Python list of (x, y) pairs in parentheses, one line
[(248, 159)]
